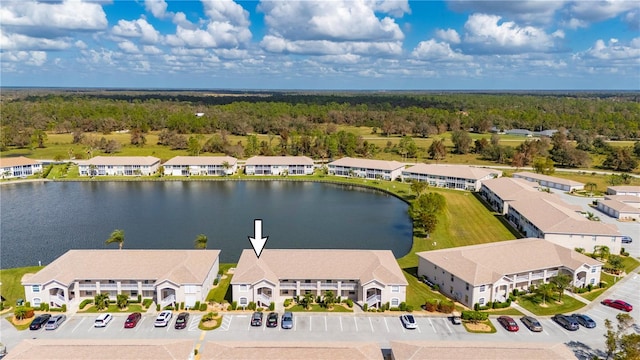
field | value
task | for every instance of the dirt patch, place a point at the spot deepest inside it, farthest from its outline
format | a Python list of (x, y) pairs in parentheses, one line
[(480, 327), (210, 323), (20, 322)]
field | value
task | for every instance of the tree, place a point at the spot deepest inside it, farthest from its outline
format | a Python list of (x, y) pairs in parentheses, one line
[(418, 187), (545, 290), (461, 141), (226, 166), (306, 301), (101, 301), (407, 147), (615, 263), (561, 282), (601, 251), (620, 344), (193, 146), (591, 186), (138, 138), (201, 241), (117, 236), (20, 312), (38, 138), (329, 299), (122, 300), (543, 166), (437, 151), (620, 159)]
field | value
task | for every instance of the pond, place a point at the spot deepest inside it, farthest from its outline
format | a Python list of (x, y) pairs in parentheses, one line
[(41, 221)]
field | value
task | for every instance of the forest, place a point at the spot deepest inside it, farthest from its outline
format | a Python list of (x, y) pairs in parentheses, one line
[(318, 124)]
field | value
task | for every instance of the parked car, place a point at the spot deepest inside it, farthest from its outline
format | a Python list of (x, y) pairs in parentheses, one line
[(132, 320), (163, 319), (3, 350), (39, 321), (618, 304), (585, 320), (627, 240), (103, 320), (287, 320), (567, 322), (408, 321), (531, 323), (272, 319), (55, 321), (456, 319), (182, 320), (508, 323), (256, 319)]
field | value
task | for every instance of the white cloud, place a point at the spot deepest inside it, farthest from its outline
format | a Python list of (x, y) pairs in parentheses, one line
[(632, 18), (325, 47), (157, 7), (527, 11), (65, 15), (438, 51), (574, 23), (80, 44), (151, 50), (9, 41), (226, 11), (128, 47), (595, 11), (137, 28), (449, 35), (32, 58), (614, 50), (484, 34)]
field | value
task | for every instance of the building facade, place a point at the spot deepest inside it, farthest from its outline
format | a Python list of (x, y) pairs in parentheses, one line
[(18, 167), (166, 276), (621, 207), (279, 165), (490, 272), (550, 181), (201, 166), (624, 190), (119, 166), (370, 277), (460, 177), (366, 168)]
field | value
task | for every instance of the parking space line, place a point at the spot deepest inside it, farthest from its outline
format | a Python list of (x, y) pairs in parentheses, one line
[(325, 324), (446, 323), (80, 323), (433, 327), (418, 328), (371, 324), (385, 323), (355, 321), (341, 329), (310, 322)]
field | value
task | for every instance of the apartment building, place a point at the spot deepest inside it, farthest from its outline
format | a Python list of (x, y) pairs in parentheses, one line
[(460, 177), (279, 165), (18, 167), (366, 168), (119, 166), (201, 165)]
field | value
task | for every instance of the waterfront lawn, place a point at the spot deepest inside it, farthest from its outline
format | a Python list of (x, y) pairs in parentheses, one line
[(113, 308), (10, 283), (222, 292), (533, 303)]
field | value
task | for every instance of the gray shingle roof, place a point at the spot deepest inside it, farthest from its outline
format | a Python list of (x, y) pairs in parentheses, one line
[(201, 160)]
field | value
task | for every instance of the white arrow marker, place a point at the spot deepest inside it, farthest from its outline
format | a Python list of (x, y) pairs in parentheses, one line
[(257, 241)]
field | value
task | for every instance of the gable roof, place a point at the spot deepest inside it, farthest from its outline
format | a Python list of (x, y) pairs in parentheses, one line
[(487, 263), (16, 161), (177, 266), (558, 217), (120, 160), (458, 171), (283, 350), (368, 164), (541, 177), (459, 350), (625, 188), (620, 206), (201, 160), (279, 160), (276, 264)]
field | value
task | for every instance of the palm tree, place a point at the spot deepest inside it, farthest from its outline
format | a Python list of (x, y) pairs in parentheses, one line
[(201, 241), (601, 251), (122, 300), (591, 186), (545, 290), (561, 282), (226, 166), (101, 301), (117, 236), (306, 301), (329, 299)]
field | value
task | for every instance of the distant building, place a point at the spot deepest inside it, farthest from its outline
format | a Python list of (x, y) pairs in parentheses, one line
[(622, 207), (550, 181), (461, 177), (624, 190), (490, 272), (519, 132), (279, 165), (201, 165), (17, 167), (366, 168), (119, 166)]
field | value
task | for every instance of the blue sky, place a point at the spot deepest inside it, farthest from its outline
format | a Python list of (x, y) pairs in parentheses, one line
[(321, 44)]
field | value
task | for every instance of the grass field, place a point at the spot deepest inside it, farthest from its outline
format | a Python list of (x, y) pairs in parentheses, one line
[(11, 287), (568, 305), (593, 294), (222, 292)]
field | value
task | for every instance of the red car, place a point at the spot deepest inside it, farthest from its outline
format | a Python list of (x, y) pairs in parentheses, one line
[(132, 320), (508, 323), (618, 304)]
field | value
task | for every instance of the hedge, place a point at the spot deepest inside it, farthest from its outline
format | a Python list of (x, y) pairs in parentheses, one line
[(203, 307), (147, 302), (85, 303), (474, 316)]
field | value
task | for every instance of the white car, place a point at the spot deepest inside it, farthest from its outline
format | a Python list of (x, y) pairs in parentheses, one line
[(163, 319), (408, 321), (103, 320), (55, 321)]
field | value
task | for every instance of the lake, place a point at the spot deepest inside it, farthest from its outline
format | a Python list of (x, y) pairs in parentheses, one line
[(41, 221)]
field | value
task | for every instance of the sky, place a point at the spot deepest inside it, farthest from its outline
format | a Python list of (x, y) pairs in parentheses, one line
[(322, 44)]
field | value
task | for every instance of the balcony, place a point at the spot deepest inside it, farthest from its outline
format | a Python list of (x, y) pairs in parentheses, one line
[(329, 286), (349, 286), (108, 287), (87, 287), (522, 278), (288, 286), (128, 286), (537, 276), (308, 286)]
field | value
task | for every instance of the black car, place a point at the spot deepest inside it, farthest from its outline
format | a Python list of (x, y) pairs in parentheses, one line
[(567, 322), (584, 320), (256, 319), (39, 321), (272, 319), (182, 320)]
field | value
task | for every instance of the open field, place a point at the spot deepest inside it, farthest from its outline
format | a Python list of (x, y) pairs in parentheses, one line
[(568, 305), (11, 288), (222, 293)]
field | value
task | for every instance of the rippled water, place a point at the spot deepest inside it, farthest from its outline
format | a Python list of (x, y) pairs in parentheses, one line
[(41, 221)]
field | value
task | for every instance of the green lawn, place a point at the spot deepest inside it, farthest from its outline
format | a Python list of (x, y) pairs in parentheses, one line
[(593, 294), (318, 308), (11, 287), (568, 305), (113, 308), (222, 292), (417, 292), (630, 264), (505, 311)]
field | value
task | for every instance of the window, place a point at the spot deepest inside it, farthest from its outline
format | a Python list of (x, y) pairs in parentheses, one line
[(35, 288), (243, 287), (592, 281), (451, 277), (481, 301), (395, 302), (243, 301), (466, 299), (467, 287), (482, 288), (395, 288), (593, 270), (36, 302)]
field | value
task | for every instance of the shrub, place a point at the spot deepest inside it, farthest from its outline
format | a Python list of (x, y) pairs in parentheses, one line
[(63, 308), (287, 302), (365, 307), (27, 304), (318, 299), (386, 306), (394, 309), (215, 282), (234, 305), (85, 303), (182, 305), (251, 306), (602, 285), (501, 305), (197, 305), (260, 309), (139, 298), (168, 307), (446, 307), (403, 306), (272, 306), (436, 287), (409, 308), (474, 316), (23, 312), (349, 303), (431, 305), (147, 302), (589, 287), (203, 307), (157, 307)]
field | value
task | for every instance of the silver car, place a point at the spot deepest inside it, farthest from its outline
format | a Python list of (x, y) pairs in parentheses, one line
[(55, 321), (287, 320)]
